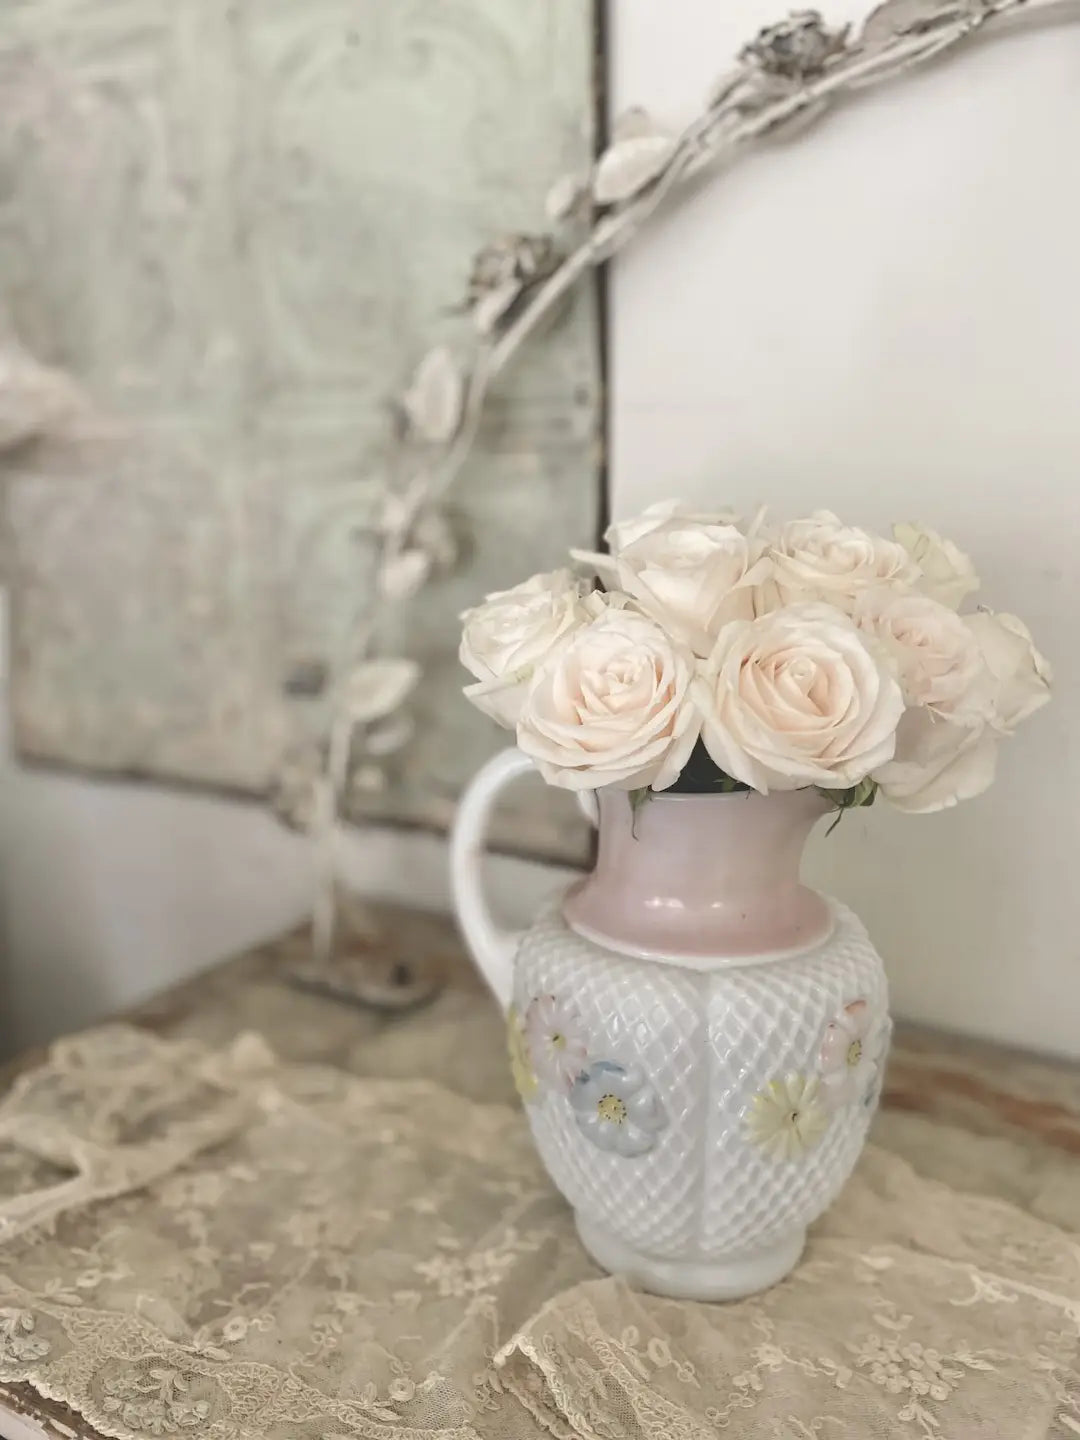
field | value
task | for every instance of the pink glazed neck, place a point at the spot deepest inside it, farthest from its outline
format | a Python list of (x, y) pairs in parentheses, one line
[(702, 879)]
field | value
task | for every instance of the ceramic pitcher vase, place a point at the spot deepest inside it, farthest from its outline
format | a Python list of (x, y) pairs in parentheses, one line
[(698, 1038)]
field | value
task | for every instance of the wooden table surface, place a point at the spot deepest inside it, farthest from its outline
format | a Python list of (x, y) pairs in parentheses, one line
[(1019, 1114)]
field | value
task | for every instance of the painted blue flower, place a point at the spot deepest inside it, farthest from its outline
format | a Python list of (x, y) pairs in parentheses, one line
[(616, 1108)]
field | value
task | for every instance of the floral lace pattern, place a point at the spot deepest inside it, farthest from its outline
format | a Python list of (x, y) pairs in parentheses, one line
[(902, 1336), (301, 1254)]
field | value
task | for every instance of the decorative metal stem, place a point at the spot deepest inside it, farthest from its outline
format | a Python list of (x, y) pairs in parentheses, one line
[(783, 82)]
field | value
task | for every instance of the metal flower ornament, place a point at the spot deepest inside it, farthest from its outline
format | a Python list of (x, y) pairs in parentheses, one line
[(781, 83)]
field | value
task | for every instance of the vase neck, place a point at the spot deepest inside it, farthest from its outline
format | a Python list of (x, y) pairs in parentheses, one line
[(702, 878)]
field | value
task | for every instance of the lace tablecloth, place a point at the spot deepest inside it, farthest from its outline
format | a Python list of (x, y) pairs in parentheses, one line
[(209, 1241)]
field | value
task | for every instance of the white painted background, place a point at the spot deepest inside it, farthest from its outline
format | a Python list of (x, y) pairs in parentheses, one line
[(885, 318), (110, 892)]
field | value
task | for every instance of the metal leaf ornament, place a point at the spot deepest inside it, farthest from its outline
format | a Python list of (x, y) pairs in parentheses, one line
[(434, 400), (629, 165), (34, 399)]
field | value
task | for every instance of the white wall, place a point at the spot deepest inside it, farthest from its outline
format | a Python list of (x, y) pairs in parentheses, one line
[(110, 892), (883, 318)]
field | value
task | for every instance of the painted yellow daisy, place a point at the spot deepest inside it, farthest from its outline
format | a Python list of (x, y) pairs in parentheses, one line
[(525, 1080), (788, 1117)]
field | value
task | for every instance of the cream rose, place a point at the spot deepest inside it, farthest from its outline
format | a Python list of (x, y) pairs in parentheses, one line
[(947, 574), (798, 698), (821, 559), (691, 574), (936, 657), (937, 763), (1019, 676), (622, 533), (612, 707), (512, 632)]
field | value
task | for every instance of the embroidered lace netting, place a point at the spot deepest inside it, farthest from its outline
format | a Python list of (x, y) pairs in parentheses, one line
[(219, 1245)]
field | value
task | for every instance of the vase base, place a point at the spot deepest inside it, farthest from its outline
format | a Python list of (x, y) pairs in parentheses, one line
[(729, 1279)]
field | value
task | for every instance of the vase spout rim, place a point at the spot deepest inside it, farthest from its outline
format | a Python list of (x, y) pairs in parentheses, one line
[(679, 877)]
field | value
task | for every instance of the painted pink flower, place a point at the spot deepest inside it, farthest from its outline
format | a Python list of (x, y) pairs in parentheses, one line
[(849, 1054), (556, 1041)]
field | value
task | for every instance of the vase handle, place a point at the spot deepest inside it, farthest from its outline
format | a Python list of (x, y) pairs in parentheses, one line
[(493, 948)]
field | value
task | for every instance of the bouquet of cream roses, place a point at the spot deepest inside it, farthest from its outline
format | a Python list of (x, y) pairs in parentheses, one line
[(745, 657)]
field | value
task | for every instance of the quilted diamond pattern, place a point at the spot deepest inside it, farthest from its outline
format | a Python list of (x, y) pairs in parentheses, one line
[(708, 1042)]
